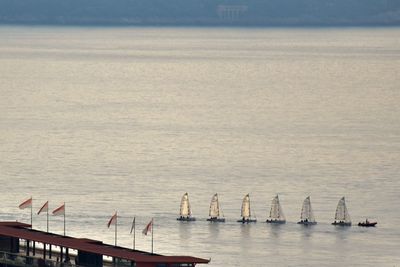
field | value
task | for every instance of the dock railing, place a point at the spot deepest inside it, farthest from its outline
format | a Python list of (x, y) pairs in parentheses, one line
[(8, 259), (18, 260)]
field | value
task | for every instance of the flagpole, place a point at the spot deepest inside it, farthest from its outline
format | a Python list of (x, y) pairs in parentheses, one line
[(64, 218), (31, 212), (134, 232), (47, 218), (116, 222), (152, 232)]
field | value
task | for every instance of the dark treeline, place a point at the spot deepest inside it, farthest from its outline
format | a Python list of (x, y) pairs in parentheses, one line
[(202, 12)]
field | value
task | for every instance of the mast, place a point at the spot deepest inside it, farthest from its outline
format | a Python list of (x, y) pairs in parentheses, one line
[(181, 212), (337, 212), (310, 211), (346, 212), (281, 215), (188, 205), (305, 210), (248, 196), (216, 196), (278, 206), (272, 207)]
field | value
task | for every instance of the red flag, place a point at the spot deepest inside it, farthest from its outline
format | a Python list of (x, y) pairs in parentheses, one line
[(113, 220), (44, 208), (26, 204), (148, 228), (60, 210)]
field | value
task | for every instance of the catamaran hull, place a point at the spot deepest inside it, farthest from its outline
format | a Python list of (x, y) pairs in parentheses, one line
[(275, 221), (216, 219), (342, 223), (307, 223), (247, 221), (184, 219)]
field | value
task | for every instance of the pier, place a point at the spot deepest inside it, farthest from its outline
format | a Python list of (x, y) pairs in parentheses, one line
[(52, 250)]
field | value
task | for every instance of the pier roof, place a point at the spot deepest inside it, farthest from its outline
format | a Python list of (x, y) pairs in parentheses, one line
[(23, 231)]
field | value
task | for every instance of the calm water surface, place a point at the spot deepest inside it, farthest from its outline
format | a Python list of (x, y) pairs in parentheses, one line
[(129, 119)]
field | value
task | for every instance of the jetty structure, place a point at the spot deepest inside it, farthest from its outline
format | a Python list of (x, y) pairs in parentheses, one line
[(22, 246)]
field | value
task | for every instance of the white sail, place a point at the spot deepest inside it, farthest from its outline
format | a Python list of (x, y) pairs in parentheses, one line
[(276, 212), (246, 214), (306, 211), (342, 213), (214, 207), (185, 206)]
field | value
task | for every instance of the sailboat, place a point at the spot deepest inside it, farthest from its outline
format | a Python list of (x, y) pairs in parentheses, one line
[(246, 211), (185, 213), (214, 212), (307, 215), (342, 216), (276, 213)]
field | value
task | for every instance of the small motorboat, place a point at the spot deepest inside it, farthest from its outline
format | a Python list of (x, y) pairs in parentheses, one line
[(367, 223)]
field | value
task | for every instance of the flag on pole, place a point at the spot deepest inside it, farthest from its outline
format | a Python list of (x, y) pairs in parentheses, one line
[(60, 210), (113, 220), (26, 204), (44, 208), (133, 224), (148, 228)]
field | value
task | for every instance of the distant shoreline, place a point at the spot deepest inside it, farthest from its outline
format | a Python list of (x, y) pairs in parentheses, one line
[(200, 25), (208, 13)]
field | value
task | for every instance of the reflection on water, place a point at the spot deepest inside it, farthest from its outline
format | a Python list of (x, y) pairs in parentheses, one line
[(213, 229), (185, 229), (245, 231), (341, 233), (275, 230), (307, 230)]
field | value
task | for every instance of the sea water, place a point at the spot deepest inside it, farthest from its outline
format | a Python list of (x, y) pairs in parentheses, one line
[(129, 119)]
